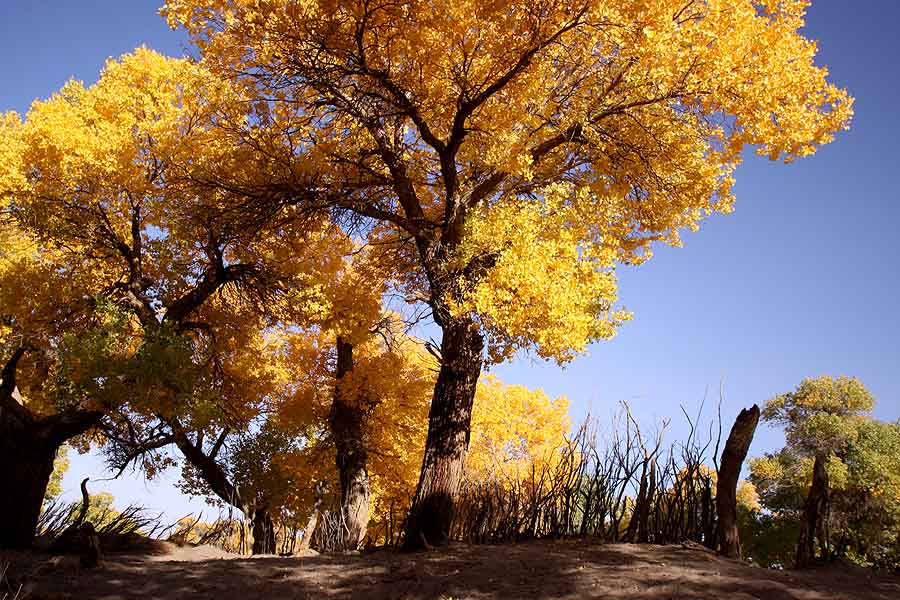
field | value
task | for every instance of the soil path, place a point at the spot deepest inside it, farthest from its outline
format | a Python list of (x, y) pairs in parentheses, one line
[(535, 570)]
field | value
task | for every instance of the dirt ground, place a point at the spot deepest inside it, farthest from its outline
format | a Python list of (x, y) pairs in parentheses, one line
[(532, 570)]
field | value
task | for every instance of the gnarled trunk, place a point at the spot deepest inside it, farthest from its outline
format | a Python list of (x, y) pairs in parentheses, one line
[(349, 434), (26, 463), (207, 467), (28, 446), (733, 456), (263, 532), (815, 515), (449, 422)]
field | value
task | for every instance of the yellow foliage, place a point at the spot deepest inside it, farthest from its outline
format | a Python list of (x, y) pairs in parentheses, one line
[(518, 153), (103, 202), (545, 290), (513, 427)]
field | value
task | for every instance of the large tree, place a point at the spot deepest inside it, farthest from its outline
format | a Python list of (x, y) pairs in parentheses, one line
[(47, 318), (95, 184), (514, 151)]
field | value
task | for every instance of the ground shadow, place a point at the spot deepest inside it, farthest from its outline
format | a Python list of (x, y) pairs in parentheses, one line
[(539, 570)]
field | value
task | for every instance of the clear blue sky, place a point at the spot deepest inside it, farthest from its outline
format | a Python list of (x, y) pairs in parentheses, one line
[(802, 279)]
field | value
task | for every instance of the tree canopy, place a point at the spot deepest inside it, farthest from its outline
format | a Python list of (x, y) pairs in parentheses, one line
[(829, 419), (542, 143)]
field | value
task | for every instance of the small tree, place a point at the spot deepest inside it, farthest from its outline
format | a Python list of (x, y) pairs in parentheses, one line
[(821, 418)]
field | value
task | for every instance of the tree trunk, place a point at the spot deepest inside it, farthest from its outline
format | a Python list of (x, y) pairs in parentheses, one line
[(736, 448), (28, 446), (449, 422), (637, 526), (313, 520), (348, 430), (263, 532), (708, 516), (26, 463), (815, 512)]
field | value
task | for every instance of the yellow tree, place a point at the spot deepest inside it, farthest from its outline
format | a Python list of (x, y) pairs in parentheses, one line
[(97, 183), (514, 151), (42, 310), (310, 353), (355, 318), (514, 428)]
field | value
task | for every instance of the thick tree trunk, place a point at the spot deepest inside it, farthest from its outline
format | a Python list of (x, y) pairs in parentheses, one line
[(26, 463), (263, 532), (815, 514), (28, 446), (733, 456), (348, 430), (449, 422)]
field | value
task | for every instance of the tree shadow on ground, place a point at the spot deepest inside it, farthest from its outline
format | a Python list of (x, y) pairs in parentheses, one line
[(539, 570)]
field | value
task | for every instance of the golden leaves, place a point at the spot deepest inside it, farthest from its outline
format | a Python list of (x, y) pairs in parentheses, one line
[(634, 113), (513, 430), (550, 287)]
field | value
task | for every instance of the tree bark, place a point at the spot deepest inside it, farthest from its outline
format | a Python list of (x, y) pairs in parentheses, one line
[(736, 448), (28, 446), (263, 532), (449, 422), (220, 483), (348, 430), (312, 521), (25, 467), (815, 514)]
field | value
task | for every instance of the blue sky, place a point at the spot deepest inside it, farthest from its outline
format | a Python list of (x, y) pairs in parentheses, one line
[(801, 280)]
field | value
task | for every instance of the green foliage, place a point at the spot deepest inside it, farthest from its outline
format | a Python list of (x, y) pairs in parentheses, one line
[(769, 540), (116, 361), (827, 415), (257, 465), (90, 363), (819, 415)]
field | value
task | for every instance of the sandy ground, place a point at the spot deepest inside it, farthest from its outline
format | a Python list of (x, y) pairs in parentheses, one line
[(533, 570)]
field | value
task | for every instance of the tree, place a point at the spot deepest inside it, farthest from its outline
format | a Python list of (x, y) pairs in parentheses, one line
[(60, 466), (513, 152), (863, 494), (222, 421), (514, 429), (137, 268), (365, 420), (43, 312), (821, 418), (733, 456), (357, 318)]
